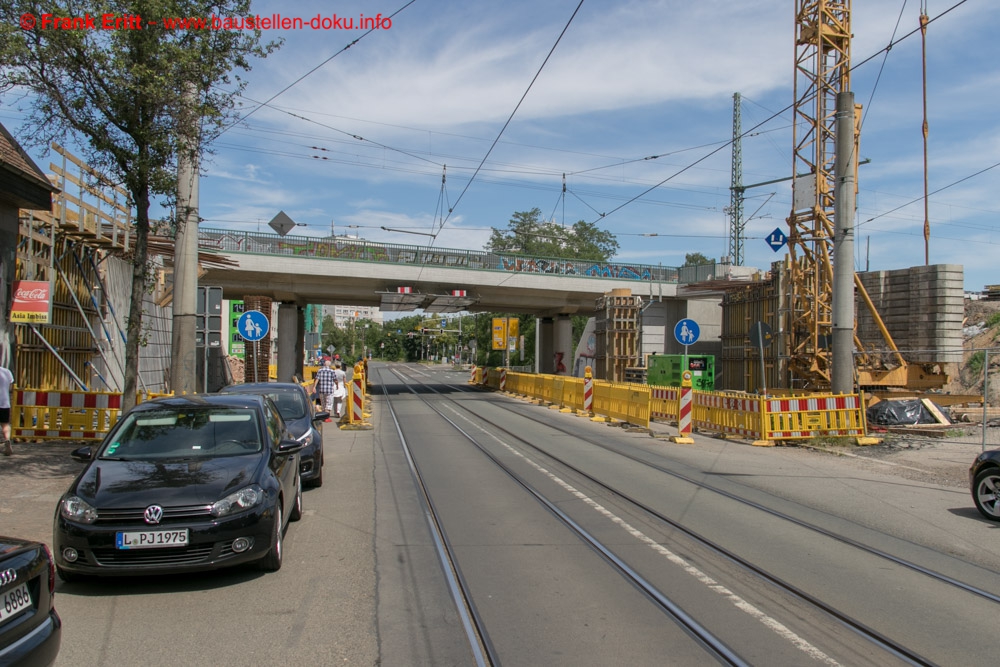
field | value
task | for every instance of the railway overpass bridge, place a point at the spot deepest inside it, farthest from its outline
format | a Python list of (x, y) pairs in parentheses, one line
[(299, 270)]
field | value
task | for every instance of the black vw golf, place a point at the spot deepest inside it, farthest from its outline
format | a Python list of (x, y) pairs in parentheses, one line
[(182, 484)]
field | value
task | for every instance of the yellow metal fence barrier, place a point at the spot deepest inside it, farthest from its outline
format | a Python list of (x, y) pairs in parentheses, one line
[(63, 415), (758, 418)]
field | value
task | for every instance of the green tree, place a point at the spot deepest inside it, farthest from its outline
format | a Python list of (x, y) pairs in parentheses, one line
[(695, 259), (527, 234), (120, 93)]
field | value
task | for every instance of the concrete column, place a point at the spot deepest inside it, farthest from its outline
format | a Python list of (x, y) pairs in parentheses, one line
[(288, 329), (184, 357), (842, 373), (300, 341), (562, 352), (544, 345)]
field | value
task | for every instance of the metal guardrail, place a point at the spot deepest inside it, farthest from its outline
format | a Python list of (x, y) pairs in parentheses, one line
[(369, 251)]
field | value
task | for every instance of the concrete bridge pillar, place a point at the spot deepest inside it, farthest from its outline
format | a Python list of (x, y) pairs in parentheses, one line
[(291, 335), (562, 349), (554, 345), (544, 327)]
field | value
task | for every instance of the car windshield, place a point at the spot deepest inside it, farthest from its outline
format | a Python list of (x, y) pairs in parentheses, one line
[(185, 434), (291, 402)]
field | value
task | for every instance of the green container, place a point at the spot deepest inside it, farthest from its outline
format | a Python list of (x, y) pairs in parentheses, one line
[(664, 370)]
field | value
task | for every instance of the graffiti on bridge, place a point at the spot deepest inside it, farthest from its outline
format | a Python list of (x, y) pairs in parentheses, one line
[(374, 252), (570, 268), (325, 249)]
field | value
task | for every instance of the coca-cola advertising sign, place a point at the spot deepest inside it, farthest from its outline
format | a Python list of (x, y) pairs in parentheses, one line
[(32, 302)]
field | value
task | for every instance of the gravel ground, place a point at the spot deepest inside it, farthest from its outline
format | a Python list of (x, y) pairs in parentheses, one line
[(923, 459)]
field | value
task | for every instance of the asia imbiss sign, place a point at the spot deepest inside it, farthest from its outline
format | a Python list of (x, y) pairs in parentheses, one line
[(32, 302)]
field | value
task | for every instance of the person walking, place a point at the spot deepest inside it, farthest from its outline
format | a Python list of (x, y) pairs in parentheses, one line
[(339, 390), (324, 384), (6, 387)]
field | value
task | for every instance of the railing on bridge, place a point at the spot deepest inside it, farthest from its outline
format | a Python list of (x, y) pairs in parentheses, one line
[(371, 251)]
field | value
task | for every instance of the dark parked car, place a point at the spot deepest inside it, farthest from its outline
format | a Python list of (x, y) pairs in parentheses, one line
[(296, 408), (30, 629), (984, 478), (181, 484)]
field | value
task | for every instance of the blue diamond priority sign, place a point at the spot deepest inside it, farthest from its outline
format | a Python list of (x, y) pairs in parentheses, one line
[(776, 239)]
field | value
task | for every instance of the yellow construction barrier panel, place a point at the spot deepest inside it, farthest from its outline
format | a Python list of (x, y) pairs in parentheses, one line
[(758, 418), (813, 416), (63, 415)]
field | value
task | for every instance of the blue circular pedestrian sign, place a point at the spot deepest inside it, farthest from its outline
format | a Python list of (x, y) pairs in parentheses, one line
[(687, 331), (253, 325)]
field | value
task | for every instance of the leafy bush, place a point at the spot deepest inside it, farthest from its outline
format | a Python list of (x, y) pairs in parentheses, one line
[(975, 362)]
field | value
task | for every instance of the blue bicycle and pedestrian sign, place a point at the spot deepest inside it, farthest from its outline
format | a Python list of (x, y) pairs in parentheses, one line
[(687, 331), (253, 325)]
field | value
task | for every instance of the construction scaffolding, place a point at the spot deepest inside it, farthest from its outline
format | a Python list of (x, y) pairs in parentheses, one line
[(617, 334), (80, 249)]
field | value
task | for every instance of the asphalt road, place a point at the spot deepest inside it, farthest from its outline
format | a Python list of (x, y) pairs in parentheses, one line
[(361, 584)]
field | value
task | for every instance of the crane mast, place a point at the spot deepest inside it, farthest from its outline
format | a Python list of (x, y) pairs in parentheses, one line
[(822, 70)]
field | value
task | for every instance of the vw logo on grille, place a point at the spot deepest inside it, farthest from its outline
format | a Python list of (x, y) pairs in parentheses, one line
[(8, 577), (153, 514)]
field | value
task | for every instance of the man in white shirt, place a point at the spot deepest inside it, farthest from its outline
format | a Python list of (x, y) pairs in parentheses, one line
[(6, 385), (340, 391)]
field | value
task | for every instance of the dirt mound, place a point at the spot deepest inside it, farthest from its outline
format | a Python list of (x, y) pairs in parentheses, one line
[(982, 331)]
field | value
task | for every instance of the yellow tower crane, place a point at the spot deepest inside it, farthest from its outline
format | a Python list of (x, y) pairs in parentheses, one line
[(822, 71)]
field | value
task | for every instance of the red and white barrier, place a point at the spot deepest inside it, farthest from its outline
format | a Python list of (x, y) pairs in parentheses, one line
[(357, 399), (64, 414), (684, 412)]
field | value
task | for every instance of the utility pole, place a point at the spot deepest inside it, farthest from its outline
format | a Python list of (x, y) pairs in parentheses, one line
[(184, 362), (842, 362)]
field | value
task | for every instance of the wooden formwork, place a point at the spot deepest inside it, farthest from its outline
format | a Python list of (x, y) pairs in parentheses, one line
[(742, 308), (617, 334), (257, 355)]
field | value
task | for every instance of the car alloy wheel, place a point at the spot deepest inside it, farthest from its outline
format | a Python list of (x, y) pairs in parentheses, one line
[(986, 493), (271, 562)]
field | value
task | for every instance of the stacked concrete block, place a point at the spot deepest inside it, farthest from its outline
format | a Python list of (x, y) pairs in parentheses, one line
[(922, 307)]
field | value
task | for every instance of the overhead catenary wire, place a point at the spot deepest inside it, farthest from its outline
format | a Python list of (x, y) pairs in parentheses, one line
[(921, 197), (512, 113), (301, 78), (888, 47)]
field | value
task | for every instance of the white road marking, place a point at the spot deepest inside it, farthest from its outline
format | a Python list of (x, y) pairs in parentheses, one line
[(773, 624)]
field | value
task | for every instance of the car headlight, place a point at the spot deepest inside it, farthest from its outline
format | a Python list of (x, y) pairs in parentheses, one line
[(76, 509), (239, 501), (306, 438)]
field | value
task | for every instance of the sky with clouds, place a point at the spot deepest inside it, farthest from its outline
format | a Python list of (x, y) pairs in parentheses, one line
[(362, 142)]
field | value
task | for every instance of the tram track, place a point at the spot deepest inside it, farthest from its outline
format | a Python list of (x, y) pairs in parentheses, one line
[(937, 576), (708, 640), (461, 594)]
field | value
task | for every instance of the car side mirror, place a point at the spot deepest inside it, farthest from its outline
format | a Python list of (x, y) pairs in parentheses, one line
[(83, 454), (321, 416), (289, 446)]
